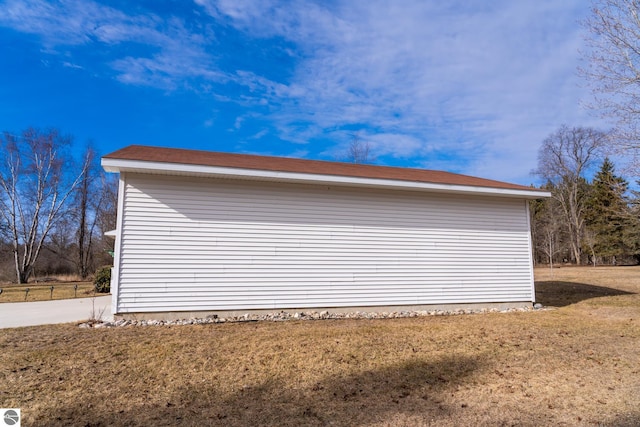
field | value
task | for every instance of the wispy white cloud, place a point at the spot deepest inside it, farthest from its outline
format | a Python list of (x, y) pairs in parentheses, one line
[(485, 81), (167, 52), (470, 86), (71, 65), (75, 22), (260, 134)]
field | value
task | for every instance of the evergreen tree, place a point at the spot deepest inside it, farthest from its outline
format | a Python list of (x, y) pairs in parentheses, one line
[(632, 229), (607, 215)]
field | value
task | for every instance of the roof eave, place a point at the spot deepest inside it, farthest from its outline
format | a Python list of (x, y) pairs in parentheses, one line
[(123, 165)]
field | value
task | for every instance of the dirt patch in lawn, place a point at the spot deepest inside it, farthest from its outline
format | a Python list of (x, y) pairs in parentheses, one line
[(575, 365)]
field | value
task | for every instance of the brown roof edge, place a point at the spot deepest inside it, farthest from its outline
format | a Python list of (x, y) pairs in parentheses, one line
[(286, 164)]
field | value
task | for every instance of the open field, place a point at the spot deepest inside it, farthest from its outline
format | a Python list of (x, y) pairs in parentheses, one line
[(578, 364), (42, 291)]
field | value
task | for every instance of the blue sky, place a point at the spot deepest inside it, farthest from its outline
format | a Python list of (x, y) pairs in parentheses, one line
[(465, 86)]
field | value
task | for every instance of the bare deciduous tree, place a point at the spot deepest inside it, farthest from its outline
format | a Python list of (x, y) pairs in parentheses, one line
[(36, 181), (613, 69), (85, 232), (359, 151), (108, 209), (547, 228), (87, 205), (590, 240), (106, 215), (78, 237), (564, 159)]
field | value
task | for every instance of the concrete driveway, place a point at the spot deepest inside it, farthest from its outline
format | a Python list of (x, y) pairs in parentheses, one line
[(15, 314)]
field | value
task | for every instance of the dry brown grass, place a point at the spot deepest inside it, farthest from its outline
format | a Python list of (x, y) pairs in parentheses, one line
[(575, 365), (41, 291)]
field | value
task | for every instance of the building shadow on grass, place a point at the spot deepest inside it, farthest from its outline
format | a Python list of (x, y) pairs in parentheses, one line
[(628, 419), (412, 388), (416, 388), (561, 294)]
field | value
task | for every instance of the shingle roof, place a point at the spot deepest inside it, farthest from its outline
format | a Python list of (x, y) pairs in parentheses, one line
[(285, 164)]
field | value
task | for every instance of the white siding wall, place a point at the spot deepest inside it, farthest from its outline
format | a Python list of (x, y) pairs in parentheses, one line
[(204, 244)]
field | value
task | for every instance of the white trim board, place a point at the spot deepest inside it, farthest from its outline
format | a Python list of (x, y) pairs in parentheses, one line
[(119, 165)]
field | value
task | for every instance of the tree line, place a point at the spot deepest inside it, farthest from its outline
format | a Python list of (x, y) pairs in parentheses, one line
[(586, 220), (594, 212), (54, 207)]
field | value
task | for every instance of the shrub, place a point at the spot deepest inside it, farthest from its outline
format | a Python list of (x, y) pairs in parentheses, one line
[(102, 281)]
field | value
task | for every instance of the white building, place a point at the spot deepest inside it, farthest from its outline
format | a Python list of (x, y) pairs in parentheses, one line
[(215, 232)]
